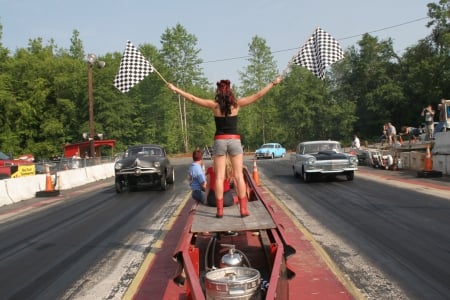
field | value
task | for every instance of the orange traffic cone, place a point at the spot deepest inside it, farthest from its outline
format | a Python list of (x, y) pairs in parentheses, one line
[(49, 189), (255, 173), (48, 180), (428, 166)]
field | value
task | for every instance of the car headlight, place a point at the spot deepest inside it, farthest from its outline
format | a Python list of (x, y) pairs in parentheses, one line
[(118, 166), (156, 164), (310, 160), (353, 160)]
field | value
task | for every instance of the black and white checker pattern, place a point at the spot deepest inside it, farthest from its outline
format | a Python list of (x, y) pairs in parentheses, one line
[(320, 51), (133, 68)]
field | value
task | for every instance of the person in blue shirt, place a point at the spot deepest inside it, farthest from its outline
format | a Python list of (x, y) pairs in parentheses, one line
[(197, 178)]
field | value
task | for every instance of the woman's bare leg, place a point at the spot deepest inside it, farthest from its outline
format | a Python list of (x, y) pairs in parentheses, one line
[(237, 163), (219, 168)]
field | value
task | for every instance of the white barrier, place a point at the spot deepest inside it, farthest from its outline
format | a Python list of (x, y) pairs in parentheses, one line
[(441, 153), (442, 143), (441, 163), (17, 189), (21, 188), (99, 172), (417, 160), (72, 178), (405, 158), (4, 197)]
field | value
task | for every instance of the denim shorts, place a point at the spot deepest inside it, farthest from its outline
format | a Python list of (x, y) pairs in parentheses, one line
[(231, 146), (199, 195)]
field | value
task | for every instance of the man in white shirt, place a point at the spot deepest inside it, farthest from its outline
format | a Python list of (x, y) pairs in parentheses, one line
[(356, 143)]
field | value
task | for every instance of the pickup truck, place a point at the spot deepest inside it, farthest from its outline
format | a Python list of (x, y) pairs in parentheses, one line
[(322, 158)]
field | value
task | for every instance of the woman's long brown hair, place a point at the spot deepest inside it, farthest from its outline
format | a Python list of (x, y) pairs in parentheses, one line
[(225, 97)]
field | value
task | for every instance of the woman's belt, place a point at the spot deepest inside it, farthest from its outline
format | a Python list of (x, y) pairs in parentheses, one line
[(227, 136)]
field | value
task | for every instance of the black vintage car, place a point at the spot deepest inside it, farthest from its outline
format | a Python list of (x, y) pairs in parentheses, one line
[(143, 165)]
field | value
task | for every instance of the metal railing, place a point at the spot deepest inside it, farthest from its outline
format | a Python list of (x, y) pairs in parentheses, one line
[(68, 163)]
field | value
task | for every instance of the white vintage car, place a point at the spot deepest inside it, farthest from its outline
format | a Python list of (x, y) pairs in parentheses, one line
[(322, 158)]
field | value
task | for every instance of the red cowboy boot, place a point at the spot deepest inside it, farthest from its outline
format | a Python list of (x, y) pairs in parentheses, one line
[(243, 207), (219, 204)]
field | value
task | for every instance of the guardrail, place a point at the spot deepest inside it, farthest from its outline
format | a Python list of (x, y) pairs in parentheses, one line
[(69, 163), (21, 188)]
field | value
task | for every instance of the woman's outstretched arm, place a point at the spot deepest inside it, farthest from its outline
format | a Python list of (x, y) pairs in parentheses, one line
[(190, 97), (256, 96)]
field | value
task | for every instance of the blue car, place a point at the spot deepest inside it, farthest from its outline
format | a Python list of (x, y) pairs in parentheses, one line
[(270, 150)]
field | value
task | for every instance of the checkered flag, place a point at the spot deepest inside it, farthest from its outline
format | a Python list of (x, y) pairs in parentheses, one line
[(133, 68), (320, 51)]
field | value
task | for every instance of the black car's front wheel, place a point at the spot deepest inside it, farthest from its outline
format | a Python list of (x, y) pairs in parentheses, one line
[(119, 185), (296, 175), (163, 182), (171, 178), (306, 176), (350, 175)]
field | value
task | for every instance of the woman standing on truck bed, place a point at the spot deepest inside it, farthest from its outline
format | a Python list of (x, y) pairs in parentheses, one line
[(227, 140)]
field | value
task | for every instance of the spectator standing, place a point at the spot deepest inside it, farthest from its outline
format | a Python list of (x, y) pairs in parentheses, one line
[(392, 134), (76, 160), (441, 125), (441, 108), (428, 113), (197, 178), (384, 136), (356, 142)]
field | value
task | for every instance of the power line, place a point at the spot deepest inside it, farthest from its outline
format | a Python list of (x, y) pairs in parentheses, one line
[(386, 28), (341, 39)]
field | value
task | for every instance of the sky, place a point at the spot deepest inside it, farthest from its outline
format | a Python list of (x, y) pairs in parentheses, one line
[(224, 29)]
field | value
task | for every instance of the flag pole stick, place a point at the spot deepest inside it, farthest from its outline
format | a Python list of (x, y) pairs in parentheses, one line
[(286, 69), (160, 76)]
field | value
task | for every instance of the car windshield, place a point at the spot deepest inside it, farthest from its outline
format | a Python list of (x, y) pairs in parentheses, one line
[(3, 156), (268, 146), (144, 151), (315, 148)]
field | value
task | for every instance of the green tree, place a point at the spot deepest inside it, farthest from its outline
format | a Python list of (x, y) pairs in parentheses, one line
[(371, 81), (311, 109), (426, 65), (76, 46), (440, 14), (180, 53), (7, 101), (43, 93), (258, 121), (3, 51)]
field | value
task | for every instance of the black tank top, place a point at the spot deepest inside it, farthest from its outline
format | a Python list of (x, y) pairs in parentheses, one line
[(226, 125)]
